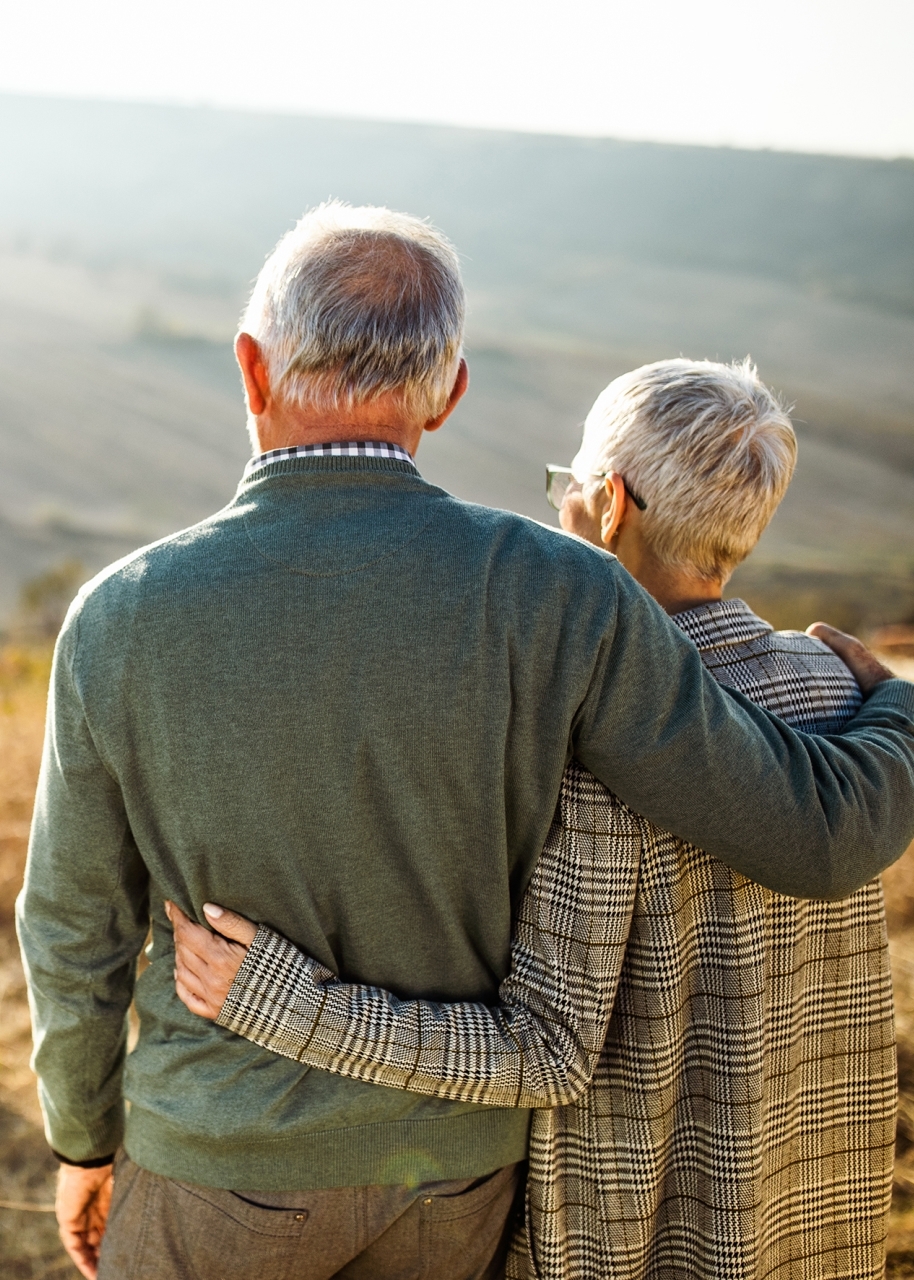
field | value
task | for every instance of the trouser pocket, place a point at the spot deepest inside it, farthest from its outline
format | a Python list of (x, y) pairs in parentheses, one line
[(162, 1229), (465, 1236)]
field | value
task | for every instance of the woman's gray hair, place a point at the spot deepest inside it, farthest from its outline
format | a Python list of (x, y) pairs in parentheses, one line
[(709, 449), (354, 303)]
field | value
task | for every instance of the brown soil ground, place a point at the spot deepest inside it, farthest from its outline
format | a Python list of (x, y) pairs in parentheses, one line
[(29, 1248)]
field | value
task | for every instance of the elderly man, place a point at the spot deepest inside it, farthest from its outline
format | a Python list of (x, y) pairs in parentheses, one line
[(344, 704)]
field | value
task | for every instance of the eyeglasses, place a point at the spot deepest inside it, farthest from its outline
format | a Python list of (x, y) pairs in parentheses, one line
[(559, 480)]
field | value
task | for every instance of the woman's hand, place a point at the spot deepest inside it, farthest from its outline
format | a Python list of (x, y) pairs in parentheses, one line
[(206, 963)]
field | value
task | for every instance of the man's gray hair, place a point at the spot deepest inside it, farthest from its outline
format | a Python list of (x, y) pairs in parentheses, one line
[(709, 449), (354, 303)]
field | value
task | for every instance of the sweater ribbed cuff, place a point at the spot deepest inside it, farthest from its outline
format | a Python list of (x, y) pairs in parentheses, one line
[(893, 693), (98, 1163)]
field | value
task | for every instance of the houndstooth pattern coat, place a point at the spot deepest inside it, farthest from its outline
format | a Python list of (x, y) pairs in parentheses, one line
[(712, 1064)]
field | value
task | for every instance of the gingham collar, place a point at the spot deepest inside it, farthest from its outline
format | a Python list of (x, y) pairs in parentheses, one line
[(721, 622), (335, 449)]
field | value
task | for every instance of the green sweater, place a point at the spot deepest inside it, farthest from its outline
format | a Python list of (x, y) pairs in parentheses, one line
[(343, 706)]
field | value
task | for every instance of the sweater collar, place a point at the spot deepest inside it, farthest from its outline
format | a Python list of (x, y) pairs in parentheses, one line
[(721, 622), (335, 449)]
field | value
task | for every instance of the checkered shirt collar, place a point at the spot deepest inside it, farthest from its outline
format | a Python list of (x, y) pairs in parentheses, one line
[(721, 622), (336, 449)]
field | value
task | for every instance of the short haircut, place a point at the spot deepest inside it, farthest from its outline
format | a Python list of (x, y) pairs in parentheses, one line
[(707, 446), (354, 303)]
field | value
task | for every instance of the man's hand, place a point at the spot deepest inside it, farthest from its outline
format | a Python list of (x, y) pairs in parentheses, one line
[(865, 667), (82, 1204), (206, 963)]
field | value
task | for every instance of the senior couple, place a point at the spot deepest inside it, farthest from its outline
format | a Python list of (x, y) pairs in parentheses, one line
[(513, 903)]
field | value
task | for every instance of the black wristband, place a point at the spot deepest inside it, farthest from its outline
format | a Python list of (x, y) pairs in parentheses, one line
[(98, 1163)]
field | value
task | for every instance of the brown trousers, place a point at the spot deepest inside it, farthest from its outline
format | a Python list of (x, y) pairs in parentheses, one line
[(159, 1229)]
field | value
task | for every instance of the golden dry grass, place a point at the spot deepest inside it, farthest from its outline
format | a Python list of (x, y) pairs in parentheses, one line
[(29, 1249)]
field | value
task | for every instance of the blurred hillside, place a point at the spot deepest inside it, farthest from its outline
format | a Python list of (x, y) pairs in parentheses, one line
[(129, 236)]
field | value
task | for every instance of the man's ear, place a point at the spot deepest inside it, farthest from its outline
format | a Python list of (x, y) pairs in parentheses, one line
[(253, 373), (458, 391), (615, 508)]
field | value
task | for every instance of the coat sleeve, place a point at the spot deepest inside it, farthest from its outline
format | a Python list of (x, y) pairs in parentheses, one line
[(539, 1046)]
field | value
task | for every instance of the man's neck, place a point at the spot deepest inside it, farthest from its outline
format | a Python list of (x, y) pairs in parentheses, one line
[(376, 421)]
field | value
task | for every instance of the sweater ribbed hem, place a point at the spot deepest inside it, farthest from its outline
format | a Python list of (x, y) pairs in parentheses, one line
[(403, 1152)]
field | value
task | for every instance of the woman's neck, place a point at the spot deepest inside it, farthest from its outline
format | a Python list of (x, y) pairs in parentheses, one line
[(676, 590)]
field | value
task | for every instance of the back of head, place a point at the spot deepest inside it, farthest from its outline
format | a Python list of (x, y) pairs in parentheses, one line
[(355, 303), (709, 449)]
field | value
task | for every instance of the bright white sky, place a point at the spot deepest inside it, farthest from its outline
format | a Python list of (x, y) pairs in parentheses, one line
[(817, 75)]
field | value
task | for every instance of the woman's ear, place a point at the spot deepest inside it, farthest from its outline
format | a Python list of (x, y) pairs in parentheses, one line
[(614, 509)]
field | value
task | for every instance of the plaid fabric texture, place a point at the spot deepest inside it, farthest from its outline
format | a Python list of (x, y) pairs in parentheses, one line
[(713, 1064), (337, 449)]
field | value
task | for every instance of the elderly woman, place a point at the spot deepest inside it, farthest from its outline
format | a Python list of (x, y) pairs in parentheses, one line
[(713, 1064)]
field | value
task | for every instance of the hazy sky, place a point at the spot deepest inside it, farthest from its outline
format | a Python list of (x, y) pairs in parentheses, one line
[(821, 75)]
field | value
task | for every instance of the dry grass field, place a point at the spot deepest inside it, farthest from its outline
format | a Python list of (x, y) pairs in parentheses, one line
[(29, 1249)]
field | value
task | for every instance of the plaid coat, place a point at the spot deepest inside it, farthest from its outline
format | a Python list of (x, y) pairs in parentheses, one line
[(712, 1064)]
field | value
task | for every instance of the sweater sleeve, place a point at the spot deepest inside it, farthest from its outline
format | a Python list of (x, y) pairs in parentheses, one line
[(539, 1047), (808, 816), (82, 918)]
